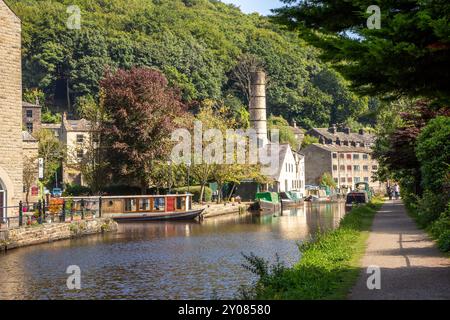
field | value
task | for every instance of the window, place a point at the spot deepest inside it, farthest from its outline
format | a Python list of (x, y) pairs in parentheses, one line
[(366, 179), (80, 138), (130, 205), (366, 168), (159, 204), (350, 180), (30, 127), (336, 180), (144, 205), (181, 203), (356, 168), (342, 155), (80, 154), (334, 167), (374, 167), (365, 156), (342, 167), (343, 180), (334, 155), (349, 156), (356, 156), (357, 179), (349, 168), (29, 113)]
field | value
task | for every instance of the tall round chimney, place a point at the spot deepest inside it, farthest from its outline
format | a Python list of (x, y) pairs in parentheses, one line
[(258, 117)]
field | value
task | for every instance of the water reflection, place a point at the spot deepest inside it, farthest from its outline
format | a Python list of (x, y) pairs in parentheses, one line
[(182, 260)]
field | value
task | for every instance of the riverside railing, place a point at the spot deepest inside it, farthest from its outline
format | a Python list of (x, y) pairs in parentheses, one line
[(55, 210)]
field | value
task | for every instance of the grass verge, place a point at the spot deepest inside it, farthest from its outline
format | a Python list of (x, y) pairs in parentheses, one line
[(329, 264)]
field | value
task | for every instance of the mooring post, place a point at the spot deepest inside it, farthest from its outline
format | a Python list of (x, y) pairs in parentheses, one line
[(63, 212), (40, 211), (82, 209), (20, 213), (100, 207)]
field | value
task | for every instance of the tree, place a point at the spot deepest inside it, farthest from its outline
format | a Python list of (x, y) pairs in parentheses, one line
[(327, 180), (433, 153), (409, 54), (309, 140), (141, 109), (30, 174), (52, 151), (286, 132), (241, 74)]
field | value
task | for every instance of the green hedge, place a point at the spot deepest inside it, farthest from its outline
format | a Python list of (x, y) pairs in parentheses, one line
[(76, 191), (195, 190)]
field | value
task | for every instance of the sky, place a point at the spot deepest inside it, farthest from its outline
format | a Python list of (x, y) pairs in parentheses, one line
[(261, 6)]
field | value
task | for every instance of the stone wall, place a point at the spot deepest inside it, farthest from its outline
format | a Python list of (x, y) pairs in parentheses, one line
[(31, 235), (10, 108)]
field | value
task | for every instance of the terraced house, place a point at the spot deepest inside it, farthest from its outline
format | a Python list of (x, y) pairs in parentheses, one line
[(347, 156)]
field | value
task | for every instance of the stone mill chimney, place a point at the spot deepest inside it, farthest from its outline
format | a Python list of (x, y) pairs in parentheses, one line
[(258, 115)]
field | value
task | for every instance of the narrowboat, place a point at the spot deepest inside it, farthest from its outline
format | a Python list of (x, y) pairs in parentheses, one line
[(267, 203), (146, 208), (290, 199), (360, 195)]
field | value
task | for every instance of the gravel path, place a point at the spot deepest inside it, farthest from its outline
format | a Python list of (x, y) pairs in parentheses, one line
[(411, 266)]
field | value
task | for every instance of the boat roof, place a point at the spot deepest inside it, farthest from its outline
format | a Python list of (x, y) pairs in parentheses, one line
[(132, 196)]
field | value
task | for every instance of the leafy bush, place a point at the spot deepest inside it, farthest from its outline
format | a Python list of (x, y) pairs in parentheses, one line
[(444, 241), (195, 190), (430, 207), (76, 191), (433, 152)]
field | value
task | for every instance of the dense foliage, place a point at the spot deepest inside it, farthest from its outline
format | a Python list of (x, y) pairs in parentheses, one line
[(141, 110), (409, 54), (197, 44)]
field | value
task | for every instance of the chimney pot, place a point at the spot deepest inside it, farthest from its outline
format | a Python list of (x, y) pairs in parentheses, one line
[(361, 132), (347, 130)]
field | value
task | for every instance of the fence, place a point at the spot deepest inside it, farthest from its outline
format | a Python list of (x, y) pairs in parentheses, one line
[(55, 210)]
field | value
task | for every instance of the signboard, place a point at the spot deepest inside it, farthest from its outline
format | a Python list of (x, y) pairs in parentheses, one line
[(41, 168), (34, 191)]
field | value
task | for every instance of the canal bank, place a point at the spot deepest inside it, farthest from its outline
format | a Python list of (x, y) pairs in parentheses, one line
[(329, 265), (50, 232)]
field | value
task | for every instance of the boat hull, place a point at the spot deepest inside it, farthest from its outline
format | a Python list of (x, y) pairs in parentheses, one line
[(265, 207), (291, 203), (146, 217)]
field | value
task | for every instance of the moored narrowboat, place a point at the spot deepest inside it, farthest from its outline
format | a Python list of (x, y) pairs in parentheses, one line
[(267, 203), (145, 208)]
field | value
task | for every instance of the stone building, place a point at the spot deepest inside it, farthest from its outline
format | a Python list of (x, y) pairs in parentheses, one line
[(31, 116), (76, 135), (11, 158), (348, 165)]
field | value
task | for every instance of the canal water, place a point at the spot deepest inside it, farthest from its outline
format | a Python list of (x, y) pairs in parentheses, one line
[(176, 260)]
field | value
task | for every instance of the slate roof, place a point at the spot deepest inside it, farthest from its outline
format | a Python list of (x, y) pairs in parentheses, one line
[(338, 148), (366, 138)]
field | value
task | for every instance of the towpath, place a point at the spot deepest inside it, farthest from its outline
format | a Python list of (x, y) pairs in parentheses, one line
[(411, 267)]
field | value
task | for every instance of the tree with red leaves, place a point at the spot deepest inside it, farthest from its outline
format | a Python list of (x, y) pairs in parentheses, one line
[(142, 110)]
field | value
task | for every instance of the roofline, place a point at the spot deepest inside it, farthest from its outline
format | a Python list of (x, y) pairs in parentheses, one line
[(11, 9)]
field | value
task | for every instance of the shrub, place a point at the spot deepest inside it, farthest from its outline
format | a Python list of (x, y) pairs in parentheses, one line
[(195, 190), (76, 191), (430, 207), (444, 241)]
